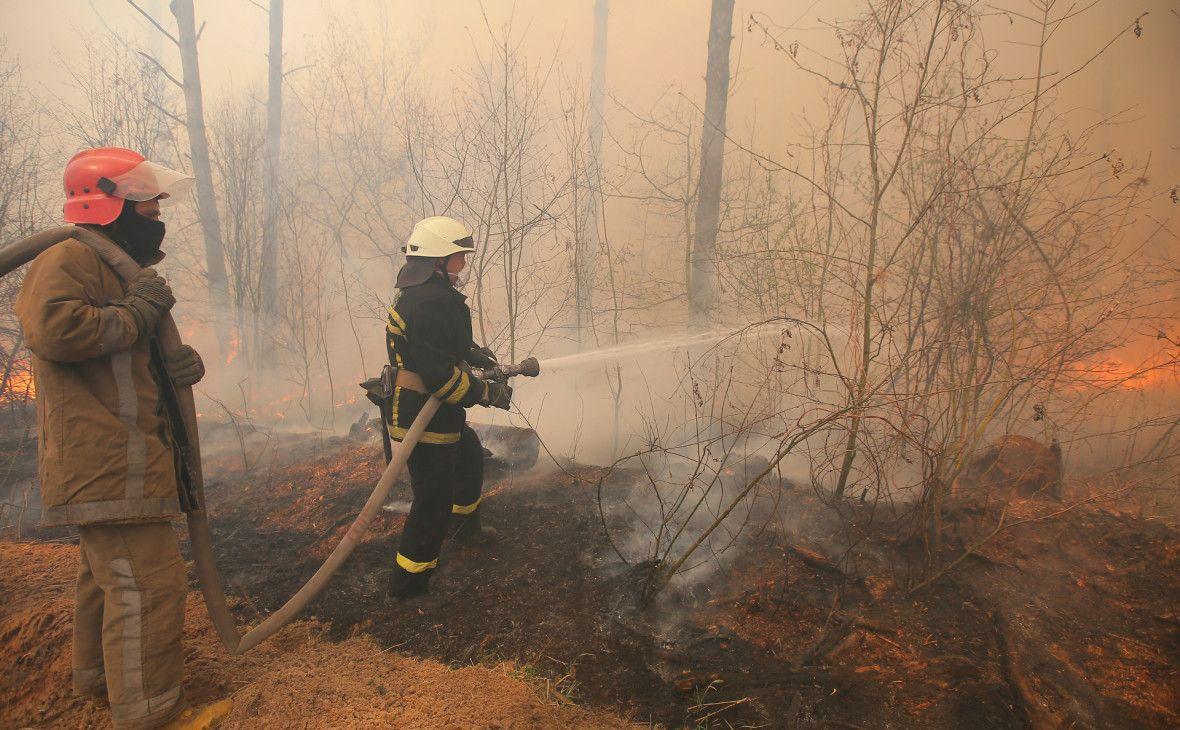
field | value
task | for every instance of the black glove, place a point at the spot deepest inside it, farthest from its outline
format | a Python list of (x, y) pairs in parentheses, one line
[(185, 366), (496, 395), (148, 298), (482, 357)]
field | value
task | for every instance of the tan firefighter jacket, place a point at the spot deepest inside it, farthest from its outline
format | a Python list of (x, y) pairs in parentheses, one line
[(105, 448)]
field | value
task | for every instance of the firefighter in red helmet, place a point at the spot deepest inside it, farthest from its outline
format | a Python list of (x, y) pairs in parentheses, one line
[(107, 457)]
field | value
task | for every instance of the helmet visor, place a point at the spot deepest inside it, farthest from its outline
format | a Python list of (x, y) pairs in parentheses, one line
[(147, 180)]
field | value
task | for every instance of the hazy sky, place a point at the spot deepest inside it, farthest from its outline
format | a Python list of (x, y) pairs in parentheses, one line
[(655, 46)]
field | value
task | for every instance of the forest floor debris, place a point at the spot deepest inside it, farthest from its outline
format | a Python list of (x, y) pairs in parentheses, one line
[(1067, 620)]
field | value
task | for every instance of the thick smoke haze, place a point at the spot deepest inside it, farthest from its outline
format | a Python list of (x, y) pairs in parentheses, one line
[(370, 85)]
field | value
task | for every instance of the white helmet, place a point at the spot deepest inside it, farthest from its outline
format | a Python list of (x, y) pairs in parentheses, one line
[(438, 237)]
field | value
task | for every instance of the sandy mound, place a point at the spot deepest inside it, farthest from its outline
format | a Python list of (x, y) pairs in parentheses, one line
[(295, 679)]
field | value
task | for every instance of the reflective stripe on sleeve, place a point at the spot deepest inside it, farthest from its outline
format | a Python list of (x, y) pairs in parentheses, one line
[(464, 386), (397, 320), (112, 330), (443, 392)]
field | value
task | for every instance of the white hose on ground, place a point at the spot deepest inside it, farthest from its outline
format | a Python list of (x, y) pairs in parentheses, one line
[(25, 250), (351, 539)]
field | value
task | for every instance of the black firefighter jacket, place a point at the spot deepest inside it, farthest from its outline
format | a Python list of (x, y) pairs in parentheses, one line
[(428, 332)]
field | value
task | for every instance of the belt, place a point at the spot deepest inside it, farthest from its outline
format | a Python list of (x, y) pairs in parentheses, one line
[(411, 381)]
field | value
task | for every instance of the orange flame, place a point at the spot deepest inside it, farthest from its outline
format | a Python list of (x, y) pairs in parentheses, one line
[(1159, 371), (232, 348), (21, 385)]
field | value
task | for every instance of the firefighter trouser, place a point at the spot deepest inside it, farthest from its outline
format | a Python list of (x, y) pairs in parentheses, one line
[(128, 620), (446, 479)]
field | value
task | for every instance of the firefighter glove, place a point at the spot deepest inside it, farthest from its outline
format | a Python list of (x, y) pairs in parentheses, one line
[(482, 357), (185, 367), (148, 298), (496, 395)]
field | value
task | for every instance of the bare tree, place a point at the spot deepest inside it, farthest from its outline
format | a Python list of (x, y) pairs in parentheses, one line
[(586, 252), (123, 103), (185, 40), (702, 288), (274, 138), (22, 174)]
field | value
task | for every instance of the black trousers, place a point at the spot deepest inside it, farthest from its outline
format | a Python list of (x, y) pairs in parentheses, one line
[(447, 479)]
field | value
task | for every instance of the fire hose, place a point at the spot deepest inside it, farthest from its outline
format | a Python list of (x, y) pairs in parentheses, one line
[(25, 250)]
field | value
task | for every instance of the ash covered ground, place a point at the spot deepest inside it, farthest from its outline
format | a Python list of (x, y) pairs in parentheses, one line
[(1069, 619)]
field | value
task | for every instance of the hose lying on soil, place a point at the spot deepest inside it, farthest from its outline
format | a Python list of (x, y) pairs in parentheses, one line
[(25, 250)]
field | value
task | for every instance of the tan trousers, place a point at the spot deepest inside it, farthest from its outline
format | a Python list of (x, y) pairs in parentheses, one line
[(128, 621)]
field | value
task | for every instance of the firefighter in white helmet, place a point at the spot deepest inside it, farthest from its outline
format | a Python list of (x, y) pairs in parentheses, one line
[(428, 337)]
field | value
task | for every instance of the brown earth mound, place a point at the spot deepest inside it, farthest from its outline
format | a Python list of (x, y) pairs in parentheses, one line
[(1020, 464), (296, 679)]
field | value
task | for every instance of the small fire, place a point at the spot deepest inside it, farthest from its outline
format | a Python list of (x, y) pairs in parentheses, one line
[(21, 385), (1162, 370), (231, 350)]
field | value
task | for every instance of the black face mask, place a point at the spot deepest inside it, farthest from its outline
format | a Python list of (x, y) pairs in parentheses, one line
[(140, 237)]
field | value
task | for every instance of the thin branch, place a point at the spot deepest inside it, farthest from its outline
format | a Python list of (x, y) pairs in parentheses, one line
[(154, 22), (297, 68), (164, 111), (160, 66)]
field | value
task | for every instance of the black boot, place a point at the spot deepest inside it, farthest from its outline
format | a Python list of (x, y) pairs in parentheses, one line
[(471, 532), (406, 586)]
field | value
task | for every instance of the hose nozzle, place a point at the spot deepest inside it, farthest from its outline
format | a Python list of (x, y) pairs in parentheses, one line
[(528, 367)]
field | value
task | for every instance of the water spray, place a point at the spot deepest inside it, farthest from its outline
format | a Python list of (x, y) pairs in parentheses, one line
[(643, 348)]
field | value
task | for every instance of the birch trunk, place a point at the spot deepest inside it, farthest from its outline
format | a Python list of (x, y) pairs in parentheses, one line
[(202, 169), (588, 256), (702, 287)]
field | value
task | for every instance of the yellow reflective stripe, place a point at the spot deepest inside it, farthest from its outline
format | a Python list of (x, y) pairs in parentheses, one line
[(465, 509), (397, 433), (396, 325), (464, 386), (414, 566), (441, 393)]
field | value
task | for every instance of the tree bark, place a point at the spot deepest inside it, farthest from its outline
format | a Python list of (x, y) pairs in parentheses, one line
[(587, 257), (702, 289), (202, 169), (274, 135)]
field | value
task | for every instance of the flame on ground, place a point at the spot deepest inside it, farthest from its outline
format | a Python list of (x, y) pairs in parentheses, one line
[(20, 385), (1113, 372)]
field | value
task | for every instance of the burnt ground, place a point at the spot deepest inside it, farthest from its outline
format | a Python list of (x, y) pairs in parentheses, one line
[(1066, 620)]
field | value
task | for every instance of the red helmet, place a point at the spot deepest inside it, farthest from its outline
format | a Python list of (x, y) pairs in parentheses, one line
[(97, 182)]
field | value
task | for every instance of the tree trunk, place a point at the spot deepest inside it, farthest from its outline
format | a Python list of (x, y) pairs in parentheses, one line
[(587, 257), (274, 135), (199, 148), (702, 289)]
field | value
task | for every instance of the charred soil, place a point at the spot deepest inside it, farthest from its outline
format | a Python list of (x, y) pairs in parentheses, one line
[(1067, 619)]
